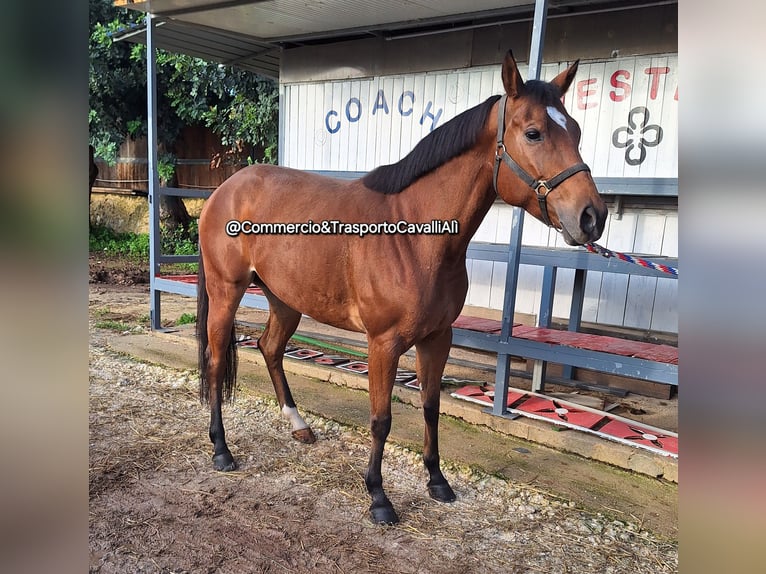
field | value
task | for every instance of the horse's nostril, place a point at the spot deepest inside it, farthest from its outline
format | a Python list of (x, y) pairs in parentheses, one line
[(588, 220)]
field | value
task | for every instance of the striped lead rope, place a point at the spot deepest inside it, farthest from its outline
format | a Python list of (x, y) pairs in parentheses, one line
[(603, 251)]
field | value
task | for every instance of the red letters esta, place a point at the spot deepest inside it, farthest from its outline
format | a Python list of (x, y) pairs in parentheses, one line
[(620, 85), (583, 92), (655, 74)]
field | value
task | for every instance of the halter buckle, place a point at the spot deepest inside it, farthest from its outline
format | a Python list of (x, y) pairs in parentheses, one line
[(544, 184)]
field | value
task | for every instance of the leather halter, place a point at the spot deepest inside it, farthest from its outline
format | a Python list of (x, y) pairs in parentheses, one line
[(546, 185)]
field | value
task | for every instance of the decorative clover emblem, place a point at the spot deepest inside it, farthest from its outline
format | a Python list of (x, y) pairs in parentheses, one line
[(637, 134)]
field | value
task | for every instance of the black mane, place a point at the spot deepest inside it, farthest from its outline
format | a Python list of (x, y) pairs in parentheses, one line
[(438, 147)]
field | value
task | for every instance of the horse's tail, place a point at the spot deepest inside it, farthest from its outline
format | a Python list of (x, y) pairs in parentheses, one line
[(230, 371)]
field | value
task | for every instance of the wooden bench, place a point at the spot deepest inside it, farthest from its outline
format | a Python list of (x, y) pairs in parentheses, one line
[(571, 348)]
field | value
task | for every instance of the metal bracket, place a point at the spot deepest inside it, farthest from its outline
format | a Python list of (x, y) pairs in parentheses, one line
[(618, 207)]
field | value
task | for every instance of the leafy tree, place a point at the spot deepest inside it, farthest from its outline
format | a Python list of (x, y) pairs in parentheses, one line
[(117, 83), (237, 105)]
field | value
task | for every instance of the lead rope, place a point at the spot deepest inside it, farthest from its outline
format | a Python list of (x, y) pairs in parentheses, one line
[(603, 251)]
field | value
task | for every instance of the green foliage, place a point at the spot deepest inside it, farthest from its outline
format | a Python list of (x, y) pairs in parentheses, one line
[(117, 84), (112, 325), (166, 167), (173, 241), (103, 240), (178, 241), (187, 319), (239, 106), (134, 127)]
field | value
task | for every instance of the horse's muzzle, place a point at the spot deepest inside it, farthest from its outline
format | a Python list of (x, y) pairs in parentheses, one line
[(587, 228), (592, 222)]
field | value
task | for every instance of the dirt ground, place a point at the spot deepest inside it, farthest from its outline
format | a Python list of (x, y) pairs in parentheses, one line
[(156, 505)]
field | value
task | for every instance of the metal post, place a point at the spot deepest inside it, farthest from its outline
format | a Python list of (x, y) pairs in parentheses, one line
[(538, 39), (282, 129), (575, 312), (502, 372), (544, 319), (154, 182), (545, 316)]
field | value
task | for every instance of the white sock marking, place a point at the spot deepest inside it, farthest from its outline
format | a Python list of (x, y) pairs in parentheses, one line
[(557, 116), (291, 414)]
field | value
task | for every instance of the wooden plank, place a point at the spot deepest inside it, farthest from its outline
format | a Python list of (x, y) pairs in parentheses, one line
[(643, 388), (528, 289), (305, 144), (614, 288), (360, 129), (481, 279), (665, 317), (497, 286), (562, 301), (324, 97), (351, 107), (469, 272), (670, 236), (639, 306), (292, 137)]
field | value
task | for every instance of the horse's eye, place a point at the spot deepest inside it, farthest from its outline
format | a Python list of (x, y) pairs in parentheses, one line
[(533, 135)]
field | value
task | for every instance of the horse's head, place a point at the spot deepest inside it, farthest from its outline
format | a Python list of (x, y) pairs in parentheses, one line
[(538, 164)]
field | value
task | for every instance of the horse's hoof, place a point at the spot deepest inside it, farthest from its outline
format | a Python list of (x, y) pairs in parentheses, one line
[(442, 492), (224, 462), (383, 514), (306, 436)]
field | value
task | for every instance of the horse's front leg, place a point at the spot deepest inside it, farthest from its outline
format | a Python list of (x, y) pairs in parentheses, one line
[(432, 354), (383, 360)]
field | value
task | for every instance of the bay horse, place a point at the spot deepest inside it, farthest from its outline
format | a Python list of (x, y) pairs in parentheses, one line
[(401, 289)]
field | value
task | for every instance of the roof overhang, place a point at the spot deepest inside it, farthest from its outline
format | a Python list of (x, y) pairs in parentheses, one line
[(252, 33)]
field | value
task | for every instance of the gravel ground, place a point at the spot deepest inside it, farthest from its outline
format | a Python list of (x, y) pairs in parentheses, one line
[(156, 505)]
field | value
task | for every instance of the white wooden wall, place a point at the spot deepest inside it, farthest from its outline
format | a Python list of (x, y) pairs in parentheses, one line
[(356, 125), (611, 299)]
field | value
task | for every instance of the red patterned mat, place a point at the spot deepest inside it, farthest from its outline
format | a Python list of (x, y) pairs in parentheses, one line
[(577, 417), (558, 411), (485, 395), (641, 436)]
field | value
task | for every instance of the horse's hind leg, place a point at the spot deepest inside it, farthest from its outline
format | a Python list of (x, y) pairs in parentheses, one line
[(221, 364), (431, 356), (282, 323)]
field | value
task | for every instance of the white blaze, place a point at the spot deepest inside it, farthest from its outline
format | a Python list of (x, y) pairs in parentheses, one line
[(291, 414), (557, 116)]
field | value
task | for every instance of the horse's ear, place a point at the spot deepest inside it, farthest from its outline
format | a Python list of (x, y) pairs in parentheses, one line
[(564, 79), (512, 81)]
